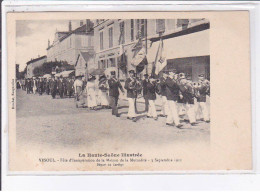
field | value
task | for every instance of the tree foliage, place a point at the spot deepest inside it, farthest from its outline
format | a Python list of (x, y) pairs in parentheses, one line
[(47, 67)]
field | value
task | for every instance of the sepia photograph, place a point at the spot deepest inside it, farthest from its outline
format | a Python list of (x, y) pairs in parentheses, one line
[(115, 94)]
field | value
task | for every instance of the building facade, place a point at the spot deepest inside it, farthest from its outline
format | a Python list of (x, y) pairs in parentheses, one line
[(33, 63), (186, 43), (67, 46)]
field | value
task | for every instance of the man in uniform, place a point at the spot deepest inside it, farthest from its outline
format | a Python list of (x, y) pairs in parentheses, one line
[(203, 90), (69, 86), (114, 86), (61, 86), (130, 85), (172, 94), (53, 87), (151, 96), (40, 86), (188, 94)]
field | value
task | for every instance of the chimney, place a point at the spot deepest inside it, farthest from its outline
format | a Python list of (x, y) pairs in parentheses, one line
[(70, 27), (88, 25), (81, 23)]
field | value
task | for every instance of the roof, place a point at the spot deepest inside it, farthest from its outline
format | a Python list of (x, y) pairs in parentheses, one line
[(87, 55), (37, 59), (81, 29)]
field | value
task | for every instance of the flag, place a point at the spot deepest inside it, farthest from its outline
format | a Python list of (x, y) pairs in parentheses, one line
[(160, 59), (139, 60), (122, 60)]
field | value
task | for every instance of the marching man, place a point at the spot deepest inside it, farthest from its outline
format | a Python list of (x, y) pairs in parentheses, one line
[(203, 90), (188, 94), (151, 96), (131, 95), (172, 93), (114, 86)]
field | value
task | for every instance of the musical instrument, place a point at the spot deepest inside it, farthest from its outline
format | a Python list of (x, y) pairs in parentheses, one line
[(103, 85)]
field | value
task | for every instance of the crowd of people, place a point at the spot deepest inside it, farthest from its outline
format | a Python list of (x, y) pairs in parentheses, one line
[(177, 92)]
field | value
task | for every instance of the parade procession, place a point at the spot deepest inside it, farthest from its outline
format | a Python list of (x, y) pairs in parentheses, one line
[(153, 74)]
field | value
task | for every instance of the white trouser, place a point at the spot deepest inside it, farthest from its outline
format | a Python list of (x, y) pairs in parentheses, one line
[(165, 107), (173, 113), (131, 109), (152, 110), (190, 112), (34, 90), (204, 110)]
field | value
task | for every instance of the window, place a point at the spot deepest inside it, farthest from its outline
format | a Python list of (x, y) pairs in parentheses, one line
[(183, 23), (141, 28), (160, 26), (122, 33), (110, 34), (132, 30), (101, 41)]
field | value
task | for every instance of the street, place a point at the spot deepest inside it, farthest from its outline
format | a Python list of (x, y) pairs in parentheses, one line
[(57, 123)]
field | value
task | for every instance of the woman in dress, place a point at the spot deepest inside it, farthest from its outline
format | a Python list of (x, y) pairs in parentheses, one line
[(103, 90), (78, 87), (91, 92)]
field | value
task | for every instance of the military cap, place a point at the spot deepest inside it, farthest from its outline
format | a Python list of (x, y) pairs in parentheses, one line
[(201, 75), (181, 75), (131, 71), (146, 75)]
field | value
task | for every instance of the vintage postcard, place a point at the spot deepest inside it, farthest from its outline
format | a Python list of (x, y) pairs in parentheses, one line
[(104, 92)]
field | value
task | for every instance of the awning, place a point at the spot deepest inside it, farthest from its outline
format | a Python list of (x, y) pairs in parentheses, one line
[(65, 73), (47, 76), (190, 45)]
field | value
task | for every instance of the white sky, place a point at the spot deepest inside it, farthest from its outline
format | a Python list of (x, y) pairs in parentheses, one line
[(32, 37)]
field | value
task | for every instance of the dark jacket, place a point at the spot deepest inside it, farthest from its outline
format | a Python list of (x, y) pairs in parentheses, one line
[(144, 84), (53, 85), (188, 93), (151, 88), (114, 86), (61, 85), (130, 91), (203, 91), (69, 85), (163, 86), (172, 89)]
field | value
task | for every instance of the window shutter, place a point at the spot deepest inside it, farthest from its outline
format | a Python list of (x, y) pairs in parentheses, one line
[(160, 26)]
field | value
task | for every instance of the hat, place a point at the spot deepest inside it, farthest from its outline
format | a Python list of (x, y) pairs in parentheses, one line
[(131, 71), (113, 73), (181, 75), (103, 77), (146, 75), (91, 77), (78, 76)]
